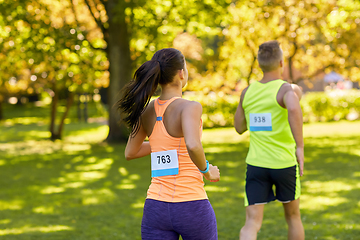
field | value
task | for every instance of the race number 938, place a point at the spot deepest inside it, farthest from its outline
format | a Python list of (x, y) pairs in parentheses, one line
[(260, 122), (259, 119)]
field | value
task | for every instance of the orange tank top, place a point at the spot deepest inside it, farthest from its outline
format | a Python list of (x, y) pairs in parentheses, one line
[(188, 184)]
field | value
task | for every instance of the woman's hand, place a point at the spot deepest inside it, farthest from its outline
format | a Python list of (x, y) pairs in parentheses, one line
[(213, 175)]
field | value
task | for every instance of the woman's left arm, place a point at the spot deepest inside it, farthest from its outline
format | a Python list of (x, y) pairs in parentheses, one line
[(136, 147)]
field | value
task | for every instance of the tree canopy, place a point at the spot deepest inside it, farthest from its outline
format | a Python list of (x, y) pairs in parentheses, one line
[(65, 47)]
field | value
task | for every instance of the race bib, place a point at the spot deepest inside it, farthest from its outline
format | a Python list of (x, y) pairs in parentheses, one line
[(260, 122), (164, 163)]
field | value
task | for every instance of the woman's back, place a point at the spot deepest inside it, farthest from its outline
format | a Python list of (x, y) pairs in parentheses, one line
[(187, 184)]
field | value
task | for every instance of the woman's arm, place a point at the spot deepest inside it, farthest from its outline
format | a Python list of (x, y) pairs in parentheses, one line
[(190, 123), (136, 147)]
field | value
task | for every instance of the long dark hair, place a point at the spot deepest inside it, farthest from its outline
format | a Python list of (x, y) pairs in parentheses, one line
[(161, 69)]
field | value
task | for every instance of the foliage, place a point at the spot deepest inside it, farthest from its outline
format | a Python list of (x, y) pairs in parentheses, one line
[(219, 109), (42, 54), (328, 106), (77, 45), (316, 36), (80, 188)]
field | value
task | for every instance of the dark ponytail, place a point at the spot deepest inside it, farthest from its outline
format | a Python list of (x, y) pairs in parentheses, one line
[(137, 93)]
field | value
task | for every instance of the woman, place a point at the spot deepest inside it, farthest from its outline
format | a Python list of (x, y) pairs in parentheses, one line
[(176, 202)]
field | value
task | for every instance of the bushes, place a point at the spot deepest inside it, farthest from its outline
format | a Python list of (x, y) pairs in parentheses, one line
[(219, 109), (330, 106)]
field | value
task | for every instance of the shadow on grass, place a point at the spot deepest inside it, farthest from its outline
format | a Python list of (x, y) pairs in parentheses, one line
[(89, 191), (81, 195)]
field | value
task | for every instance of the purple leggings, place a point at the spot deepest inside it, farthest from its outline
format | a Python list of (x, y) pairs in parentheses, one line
[(193, 220)]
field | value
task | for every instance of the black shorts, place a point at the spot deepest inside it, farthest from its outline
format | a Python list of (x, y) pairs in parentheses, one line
[(260, 181)]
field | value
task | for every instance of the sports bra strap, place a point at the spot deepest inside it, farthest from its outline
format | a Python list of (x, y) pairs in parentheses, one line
[(160, 107)]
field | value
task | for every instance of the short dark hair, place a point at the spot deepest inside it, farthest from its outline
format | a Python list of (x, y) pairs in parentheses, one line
[(269, 55)]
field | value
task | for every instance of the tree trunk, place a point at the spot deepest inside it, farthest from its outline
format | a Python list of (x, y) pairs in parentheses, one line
[(69, 102), (54, 103), (1, 108), (290, 70), (79, 107), (251, 70), (58, 134), (120, 67), (86, 108)]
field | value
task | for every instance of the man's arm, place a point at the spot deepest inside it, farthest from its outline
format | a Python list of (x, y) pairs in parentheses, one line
[(239, 119), (295, 119), (297, 90)]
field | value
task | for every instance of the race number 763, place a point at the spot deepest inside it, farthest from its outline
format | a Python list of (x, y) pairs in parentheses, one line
[(163, 159)]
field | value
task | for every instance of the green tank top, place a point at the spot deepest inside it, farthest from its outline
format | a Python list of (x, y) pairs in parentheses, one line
[(272, 144)]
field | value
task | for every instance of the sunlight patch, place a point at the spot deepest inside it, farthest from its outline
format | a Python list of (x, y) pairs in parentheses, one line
[(102, 164), (73, 185), (228, 179), (76, 147), (97, 196), (85, 176), (355, 151), (224, 135), (29, 148), (89, 136), (5, 221), (27, 229), (91, 159), (90, 201), (317, 202), (77, 159), (216, 189), (137, 205), (231, 164), (328, 187), (52, 189), (134, 177), (221, 149), (123, 171), (39, 134), (126, 186), (11, 205), (43, 209), (2, 162)]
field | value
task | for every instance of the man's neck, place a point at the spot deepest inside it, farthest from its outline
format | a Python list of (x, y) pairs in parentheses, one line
[(270, 76)]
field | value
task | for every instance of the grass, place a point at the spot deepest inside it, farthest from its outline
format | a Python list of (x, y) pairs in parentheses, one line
[(81, 188)]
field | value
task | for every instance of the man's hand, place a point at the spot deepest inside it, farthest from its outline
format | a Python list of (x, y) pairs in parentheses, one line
[(300, 159)]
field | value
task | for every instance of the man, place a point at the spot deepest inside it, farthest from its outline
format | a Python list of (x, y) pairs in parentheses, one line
[(271, 111)]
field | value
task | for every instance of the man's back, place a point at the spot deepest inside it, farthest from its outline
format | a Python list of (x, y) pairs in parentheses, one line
[(271, 142)]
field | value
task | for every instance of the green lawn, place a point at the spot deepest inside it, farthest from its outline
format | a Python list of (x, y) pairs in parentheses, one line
[(83, 189)]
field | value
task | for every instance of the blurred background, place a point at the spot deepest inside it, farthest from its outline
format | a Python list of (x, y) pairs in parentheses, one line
[(63, 175), (73, 52)]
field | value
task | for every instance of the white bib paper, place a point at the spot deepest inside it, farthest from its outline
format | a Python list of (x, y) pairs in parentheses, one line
[(260, 122), (164, 163)]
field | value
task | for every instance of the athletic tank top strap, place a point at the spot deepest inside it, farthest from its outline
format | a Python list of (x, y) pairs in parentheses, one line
[(160, 107)]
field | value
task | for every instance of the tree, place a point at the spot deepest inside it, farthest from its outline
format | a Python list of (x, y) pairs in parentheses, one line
[(47, 54), (134, 30), (316, 36)]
